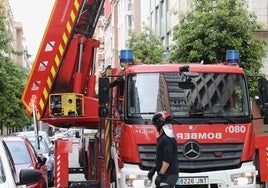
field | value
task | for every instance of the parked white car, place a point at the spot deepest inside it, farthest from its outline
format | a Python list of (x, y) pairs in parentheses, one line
[(9, 178)]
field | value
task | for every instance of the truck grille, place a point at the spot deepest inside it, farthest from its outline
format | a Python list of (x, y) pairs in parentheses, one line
[(212, 157)]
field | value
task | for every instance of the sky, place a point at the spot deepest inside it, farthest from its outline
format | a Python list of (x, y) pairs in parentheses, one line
[(34, 15)]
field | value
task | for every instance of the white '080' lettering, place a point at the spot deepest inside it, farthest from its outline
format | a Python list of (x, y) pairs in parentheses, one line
[(236, 129)]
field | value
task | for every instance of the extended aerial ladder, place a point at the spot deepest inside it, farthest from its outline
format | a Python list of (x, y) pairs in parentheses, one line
[(61, 84), (60, 89)]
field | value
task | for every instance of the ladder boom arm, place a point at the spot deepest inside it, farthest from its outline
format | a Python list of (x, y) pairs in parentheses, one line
[(66, 53)]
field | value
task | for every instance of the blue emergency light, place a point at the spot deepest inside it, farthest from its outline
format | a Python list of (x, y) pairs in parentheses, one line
[(126, 56), (232, 56)]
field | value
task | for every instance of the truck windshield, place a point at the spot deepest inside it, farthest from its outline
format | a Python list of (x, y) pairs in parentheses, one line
[(206, 95)]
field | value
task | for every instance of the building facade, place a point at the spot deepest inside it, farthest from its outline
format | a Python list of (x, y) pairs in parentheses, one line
[(260, 8), (18, 42), (123, 16)]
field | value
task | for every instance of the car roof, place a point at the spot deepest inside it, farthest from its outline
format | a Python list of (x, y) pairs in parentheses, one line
[(31, 132), (14, 138)]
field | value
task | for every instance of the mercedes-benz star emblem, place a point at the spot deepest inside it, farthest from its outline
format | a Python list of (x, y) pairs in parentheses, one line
[(191, 150)]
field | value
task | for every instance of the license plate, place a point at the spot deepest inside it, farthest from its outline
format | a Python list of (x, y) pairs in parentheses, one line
[(192, 180)]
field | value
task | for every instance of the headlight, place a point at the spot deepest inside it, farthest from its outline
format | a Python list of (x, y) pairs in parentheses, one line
[(243, 178), (137, 181)]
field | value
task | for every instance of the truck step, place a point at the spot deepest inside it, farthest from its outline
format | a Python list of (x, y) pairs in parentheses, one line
[(85, 184), (76, 170)]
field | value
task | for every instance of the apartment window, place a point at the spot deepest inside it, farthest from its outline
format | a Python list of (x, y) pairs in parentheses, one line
[(167, 5), (129, 24), (168, 39), (162, 9), (156, 14), (129, 5)]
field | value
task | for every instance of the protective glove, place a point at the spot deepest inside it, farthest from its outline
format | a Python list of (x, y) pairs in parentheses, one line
[(151, 173), (159, 178)]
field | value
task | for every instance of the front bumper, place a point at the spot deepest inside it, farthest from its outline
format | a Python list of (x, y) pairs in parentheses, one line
[(244, 177)]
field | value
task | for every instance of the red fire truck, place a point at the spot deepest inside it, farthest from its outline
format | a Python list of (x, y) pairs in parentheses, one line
[(210, 106)]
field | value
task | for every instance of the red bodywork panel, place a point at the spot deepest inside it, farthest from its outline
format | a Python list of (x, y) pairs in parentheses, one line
[(262, 146), (208, 134)]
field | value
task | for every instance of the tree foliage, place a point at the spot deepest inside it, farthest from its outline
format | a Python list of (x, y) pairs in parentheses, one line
[(11, 87), (146, 46), (212, 27), (12, 79)]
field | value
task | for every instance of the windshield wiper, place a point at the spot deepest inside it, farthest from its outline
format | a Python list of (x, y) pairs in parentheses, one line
[(220, 119), (139, 114)]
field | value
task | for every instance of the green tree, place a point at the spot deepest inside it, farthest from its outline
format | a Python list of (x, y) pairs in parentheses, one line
[(146, 46), (214, 26), (12, 79), (11, 85)]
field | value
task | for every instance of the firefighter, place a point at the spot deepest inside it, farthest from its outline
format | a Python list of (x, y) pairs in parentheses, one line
[(166, 160)]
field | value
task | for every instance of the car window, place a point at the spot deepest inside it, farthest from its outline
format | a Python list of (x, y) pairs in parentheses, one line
[(19, 152), (32, 135), (2, 172), (43, 146)]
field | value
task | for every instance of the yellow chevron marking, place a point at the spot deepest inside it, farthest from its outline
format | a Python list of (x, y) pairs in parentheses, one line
[(45, 93), (107, 147), (72, 16), (57, 60), (49, 82), (64, 38), (41, 103), (76, 4), (68, 27), (61, 50), (53, 72)]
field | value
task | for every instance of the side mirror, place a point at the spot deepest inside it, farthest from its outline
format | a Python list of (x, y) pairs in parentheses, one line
[(263, 95), (29, 176), (103, 112), (41, 160), (104, 86)]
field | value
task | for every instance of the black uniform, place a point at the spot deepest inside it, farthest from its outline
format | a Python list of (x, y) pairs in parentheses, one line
[(166, 150)]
